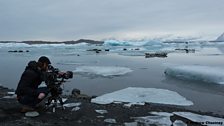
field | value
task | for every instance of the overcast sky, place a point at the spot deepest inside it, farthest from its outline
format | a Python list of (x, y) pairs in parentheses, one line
[(103, 19)]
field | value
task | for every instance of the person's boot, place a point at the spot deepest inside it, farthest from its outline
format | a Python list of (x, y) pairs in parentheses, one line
[(26, 108)]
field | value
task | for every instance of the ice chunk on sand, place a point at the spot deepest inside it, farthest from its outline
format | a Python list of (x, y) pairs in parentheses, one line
[(110, 120), (103, 70), (72, 104), (158, 120), (162, 114), (101, 111), (131, 124), (76, 109), (196, 72), (179, 123), (11, 93), (147, 95), (32, 114), (203, 119)]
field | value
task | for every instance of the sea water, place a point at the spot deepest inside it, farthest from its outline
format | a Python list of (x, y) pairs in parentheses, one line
[(141, 71)]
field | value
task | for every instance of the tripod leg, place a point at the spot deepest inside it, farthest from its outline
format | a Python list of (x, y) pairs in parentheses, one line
[(54, 105), (61, 102)]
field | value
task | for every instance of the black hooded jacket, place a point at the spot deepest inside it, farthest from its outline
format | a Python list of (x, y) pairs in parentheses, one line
[(30, 80)]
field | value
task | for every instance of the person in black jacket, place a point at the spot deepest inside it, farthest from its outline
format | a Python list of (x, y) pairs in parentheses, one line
[(28, 93)]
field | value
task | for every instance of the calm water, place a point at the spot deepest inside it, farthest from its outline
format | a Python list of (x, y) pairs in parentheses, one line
[(147, 72)]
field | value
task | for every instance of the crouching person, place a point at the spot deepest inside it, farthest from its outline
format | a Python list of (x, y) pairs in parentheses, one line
[(28, 93)]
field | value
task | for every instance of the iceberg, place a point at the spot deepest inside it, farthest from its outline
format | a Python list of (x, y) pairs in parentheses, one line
[(196, 72), (143, 95), (202, 119), (103, 70), (133, 43), (220, 38)]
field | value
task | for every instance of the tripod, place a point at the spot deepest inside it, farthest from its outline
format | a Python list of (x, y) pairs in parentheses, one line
[(55, 98)]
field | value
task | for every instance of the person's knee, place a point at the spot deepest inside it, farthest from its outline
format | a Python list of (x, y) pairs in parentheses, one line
[(27, 100)]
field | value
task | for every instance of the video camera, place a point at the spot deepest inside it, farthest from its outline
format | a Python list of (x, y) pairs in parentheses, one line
[(53, 76), (54, 79)]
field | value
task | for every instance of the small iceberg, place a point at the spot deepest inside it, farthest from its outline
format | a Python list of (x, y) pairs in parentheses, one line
[(196, 72), (143, 95), (103, 70)]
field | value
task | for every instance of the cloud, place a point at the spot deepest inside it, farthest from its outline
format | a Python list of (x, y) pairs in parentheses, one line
[(66, 20)]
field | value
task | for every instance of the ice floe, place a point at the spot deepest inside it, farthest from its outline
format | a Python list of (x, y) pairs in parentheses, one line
[(196, 72), (202, 119), (103, 70), (143, 95)]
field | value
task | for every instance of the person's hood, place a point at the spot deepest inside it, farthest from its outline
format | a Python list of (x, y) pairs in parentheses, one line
[(32, 65)]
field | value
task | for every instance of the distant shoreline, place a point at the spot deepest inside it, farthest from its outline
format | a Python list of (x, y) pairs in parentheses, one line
[(56, 42)]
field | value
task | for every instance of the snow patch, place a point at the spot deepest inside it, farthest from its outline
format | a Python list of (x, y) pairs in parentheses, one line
[(139, 95), (103, 70), (196, 72)]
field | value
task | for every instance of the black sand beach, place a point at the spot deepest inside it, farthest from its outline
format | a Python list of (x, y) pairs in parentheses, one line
[(10, 114)]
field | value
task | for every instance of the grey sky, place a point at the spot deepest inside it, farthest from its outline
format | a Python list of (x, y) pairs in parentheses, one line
[(101, 19)]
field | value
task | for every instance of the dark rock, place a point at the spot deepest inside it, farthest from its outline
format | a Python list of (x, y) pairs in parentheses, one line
[(187, 50), (20, 51), (76, 92), (149, 55)]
